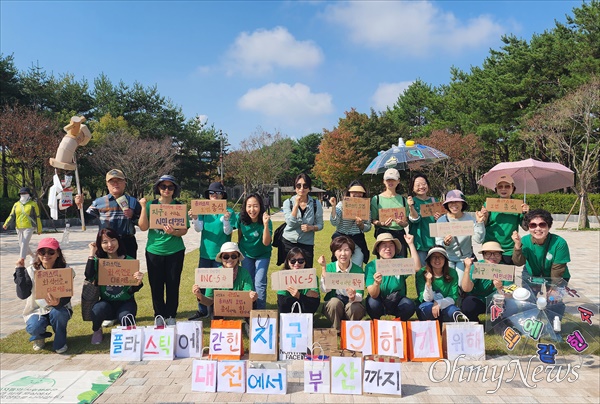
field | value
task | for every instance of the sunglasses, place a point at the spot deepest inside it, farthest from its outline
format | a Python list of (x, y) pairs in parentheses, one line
[(46, 251), (489, 254), (305, 186), (165, 187), (215, 193), (225, 257), (298, 260), (541, 225)]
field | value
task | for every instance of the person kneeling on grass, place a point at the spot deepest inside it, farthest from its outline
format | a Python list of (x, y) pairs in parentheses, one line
[(51, 310), (115, 301)]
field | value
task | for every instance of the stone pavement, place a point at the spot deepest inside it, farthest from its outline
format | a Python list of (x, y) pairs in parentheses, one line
[(170, 381)]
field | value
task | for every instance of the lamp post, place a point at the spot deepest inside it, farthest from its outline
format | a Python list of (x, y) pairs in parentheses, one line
[(221, 154)]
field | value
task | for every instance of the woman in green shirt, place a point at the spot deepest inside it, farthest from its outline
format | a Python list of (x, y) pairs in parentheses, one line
[(418, 192), (309, 299)]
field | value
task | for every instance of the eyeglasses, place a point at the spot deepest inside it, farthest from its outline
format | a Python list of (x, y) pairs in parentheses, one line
[(305, 186), (215, 193), (541, 225), (300, 261), (489, 254), (164, 187), (225, 257), (46, 251)]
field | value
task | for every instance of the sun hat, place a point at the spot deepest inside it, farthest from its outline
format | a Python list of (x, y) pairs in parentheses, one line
[(386, 237), (491, 246), (357, 188), (48, 242), (436, 249), (229, 247), (114, 173), (455, 196), (521, 294), (391, 174), (167, 178), (25, 190), (505, 178), (216, 187)]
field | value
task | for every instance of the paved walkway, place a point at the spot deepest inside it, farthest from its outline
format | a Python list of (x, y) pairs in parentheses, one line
[(170, 381)]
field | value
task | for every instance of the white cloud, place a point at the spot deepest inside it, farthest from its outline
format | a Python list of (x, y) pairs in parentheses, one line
[(414, 28), (293, 104), (263, 50), (387, 94)]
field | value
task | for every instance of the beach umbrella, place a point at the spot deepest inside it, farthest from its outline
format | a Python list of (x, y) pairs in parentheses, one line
[(402, 155)]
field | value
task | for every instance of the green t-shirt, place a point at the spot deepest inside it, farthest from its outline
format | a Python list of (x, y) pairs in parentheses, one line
[(557, 253), (242, 282), (481, 287), (420, 227), (302, 291), (251, 240), (212, 237), (384, 202), (161, 243), (500, 226), (389, 284), (447, 289), (332, 267)]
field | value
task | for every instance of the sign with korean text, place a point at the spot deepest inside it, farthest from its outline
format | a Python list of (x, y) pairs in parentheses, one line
[(204, 375), (346, 375), (162, 215), (453, 228), (159, 343), (225, 342), (208, 206), (263, 380), (214, 278), (57, 282), (390, 338), (424, 342), (296, 278), (395, 266), (117, 272), (358, 336), (464, 339), (188, 339), (356, 207), (430, 209), (484, 270), (382, 377), (231, 376), (344, 280), (505, 205), (394, 213), (231, 303)]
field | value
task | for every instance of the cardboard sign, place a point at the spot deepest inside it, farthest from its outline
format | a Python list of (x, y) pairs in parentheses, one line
[(430, 209), (395, 266), (504, 205), (453, 228), (204, 375), (161, 215), (343, 280), (231, 376), (382, 377), (394, 213), (232, 303), (296, 278), (484, 270), (356, 207), (214, 278), (208, 206), (58, 282), (117, 272)]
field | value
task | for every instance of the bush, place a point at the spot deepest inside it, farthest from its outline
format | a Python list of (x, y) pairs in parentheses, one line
[(552, 202)]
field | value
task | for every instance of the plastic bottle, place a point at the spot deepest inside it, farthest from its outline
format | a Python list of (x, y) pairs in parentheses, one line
[(65, 237), (556, 324)]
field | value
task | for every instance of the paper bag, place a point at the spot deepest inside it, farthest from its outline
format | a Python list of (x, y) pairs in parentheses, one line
[(204, 375), (225, 341), (317, 371), (159, 342), (424, 342), (327, 339), (126, 341), (263, 335), (188, 339), (296, 334), (266, 378), (231, 376), (382, 375), (390, 338), (357, 336), (346, 374), (463, 339)]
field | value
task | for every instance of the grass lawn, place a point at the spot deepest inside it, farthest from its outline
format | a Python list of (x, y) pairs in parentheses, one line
[(79, 332)]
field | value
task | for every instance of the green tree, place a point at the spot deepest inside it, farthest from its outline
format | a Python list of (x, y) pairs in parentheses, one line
[(302, 159), (416, 108), (10, 82)]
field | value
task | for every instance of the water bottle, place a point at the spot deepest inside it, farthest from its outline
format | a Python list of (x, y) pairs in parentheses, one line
[(556, 324), (65, 238)]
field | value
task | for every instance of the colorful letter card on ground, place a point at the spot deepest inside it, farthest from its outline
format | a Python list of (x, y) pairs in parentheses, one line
[(214, 278), (225, 340), (161, 215), (159, 343), (357, 336), (317, 373), (204, 375), (390, 338), (464, 339), (263, 335), (424, 343), (346, 375), (266, 378), (296, 335), (117, 272), (126, 343), (231, 376), (382, 377), (58, 282), (188, 339), (298, 279)]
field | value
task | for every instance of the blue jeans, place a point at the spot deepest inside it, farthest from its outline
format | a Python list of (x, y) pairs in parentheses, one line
[(206, 263), (424, 312), (106, 310), (257, 268), (404, 308), (58, 318)]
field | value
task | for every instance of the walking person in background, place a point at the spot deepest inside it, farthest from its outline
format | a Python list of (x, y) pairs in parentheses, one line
[(26, 215)]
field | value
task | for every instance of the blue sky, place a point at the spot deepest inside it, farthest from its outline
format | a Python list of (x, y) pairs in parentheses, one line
[(291, 66)]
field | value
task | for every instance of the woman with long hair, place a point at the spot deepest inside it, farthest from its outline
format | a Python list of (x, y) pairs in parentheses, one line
[(309, 299)]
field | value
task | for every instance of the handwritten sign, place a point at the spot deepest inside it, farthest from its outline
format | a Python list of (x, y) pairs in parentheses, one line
[(263, 380), (208, 206), (358, 336), (464, 339), (395, 266), (58, 282), (231, 375), (453, 228), (504, 205), (161, 215), (117, 272), (390, 338), (484, 270), (230, 303), (430, 209), (382, 377), (204, 375), (214, 278), (296, 278), (424, 341), (394, 213), (342, 280), (356, 207), (346, 375)]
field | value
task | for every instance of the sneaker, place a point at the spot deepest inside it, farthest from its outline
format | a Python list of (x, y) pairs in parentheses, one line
[(159, 322), (97, 337), (170, 321), (197, 316), (108, 323), (38, 344), (62, 350)]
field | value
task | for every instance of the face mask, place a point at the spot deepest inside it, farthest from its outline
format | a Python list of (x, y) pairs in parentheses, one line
[(24, 198)]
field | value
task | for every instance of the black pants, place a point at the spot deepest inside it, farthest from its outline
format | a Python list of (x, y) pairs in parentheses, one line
[(109, 310), (307, 304), (472, 307), (309, 252), (131, 245), (165, 271)]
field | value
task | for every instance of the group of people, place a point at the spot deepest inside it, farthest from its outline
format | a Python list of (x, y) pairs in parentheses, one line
[(442, 265)]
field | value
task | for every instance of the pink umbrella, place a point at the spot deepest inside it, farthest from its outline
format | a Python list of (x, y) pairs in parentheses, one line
[(535, 177)]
